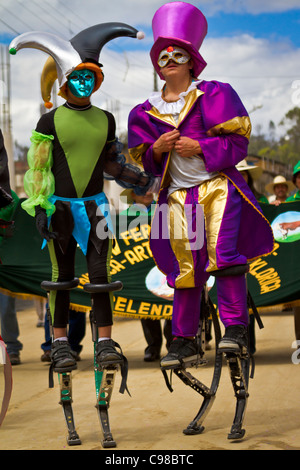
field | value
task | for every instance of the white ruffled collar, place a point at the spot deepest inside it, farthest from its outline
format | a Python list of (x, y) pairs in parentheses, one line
[(171, 108)]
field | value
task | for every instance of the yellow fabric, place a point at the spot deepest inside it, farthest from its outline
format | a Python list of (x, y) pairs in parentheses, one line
[(212, 196), (238, 125), (136, 153), (179, 239)]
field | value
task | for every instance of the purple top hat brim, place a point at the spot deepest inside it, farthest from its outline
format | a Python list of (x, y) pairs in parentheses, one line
[(164, 42)]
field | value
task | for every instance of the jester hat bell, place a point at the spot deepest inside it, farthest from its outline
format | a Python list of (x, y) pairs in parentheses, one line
[(81, 52), (179, 24)]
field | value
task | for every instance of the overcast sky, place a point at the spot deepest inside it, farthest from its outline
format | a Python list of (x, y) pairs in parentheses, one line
[(254, 45)]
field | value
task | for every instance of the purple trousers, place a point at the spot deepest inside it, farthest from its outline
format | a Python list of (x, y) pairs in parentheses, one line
[(232, 305), (221, 204)]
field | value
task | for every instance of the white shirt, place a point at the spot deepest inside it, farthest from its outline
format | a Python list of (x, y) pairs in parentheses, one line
[(188, 171)]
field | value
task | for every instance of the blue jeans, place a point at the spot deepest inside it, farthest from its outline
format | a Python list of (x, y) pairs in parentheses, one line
[(9, 324)]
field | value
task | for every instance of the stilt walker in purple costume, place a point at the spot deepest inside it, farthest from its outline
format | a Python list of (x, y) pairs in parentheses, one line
[(192, 134)]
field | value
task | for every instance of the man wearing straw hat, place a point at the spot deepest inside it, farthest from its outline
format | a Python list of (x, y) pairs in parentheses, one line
[(280, 189), (252, 173)]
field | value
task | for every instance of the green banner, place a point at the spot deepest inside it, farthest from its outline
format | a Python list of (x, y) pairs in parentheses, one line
[(273, 279), (25, 265)]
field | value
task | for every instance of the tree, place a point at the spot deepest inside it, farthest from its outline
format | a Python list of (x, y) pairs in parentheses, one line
[(292, 137), (21, 152), (287, 148)]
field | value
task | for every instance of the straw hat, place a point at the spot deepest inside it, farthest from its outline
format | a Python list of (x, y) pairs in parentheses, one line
[(256, 171), (279, 180)]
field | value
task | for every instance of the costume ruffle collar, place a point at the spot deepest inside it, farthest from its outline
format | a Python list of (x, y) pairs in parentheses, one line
[(171, 108)]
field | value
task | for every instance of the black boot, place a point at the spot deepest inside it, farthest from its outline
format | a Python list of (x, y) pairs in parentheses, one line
[(106, 353), (62, 357), (235, 340), (181, 351)]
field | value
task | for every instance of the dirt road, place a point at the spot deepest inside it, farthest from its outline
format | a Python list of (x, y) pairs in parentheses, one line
[(153, 418)]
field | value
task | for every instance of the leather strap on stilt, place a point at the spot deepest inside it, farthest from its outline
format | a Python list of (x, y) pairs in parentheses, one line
[(168, 382), (124, 371), (252, 305), (51, 379)]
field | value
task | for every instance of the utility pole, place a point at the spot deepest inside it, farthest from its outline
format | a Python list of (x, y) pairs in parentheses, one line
[(5, 116), (155, 86)]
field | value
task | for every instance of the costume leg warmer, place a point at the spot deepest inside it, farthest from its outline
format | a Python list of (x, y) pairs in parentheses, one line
[(186, 311), (232, 300)]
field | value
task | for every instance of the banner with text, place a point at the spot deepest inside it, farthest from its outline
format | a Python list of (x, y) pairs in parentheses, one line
[(273, 279)]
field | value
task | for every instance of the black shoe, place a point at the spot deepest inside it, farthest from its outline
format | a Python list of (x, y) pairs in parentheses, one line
[(76, 355), (14, 359), (106, 353), (46, 356), (235, 340), (151, 356), (61, 357), (181, 352)]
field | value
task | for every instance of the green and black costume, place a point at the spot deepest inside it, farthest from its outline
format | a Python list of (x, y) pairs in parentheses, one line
[(72, 147)]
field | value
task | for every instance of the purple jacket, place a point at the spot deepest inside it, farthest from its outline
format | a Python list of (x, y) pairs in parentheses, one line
[(214, 116)]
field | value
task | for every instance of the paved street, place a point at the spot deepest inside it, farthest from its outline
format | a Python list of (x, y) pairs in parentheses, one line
[(153, 418)]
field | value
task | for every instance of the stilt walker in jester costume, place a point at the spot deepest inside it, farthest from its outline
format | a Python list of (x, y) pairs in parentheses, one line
[(191, 134), (73, 148)]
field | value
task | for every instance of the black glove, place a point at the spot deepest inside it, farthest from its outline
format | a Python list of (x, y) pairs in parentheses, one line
[(41, 222)]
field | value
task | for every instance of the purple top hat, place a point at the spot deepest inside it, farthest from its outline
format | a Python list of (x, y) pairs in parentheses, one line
[(179, 24)]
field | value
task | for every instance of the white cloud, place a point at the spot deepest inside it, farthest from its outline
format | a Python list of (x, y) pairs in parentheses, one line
[(261, 71), (211, 7), (67, 17)]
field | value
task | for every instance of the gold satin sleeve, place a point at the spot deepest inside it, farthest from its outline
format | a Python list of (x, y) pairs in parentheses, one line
[(237, 125), (136, 153)]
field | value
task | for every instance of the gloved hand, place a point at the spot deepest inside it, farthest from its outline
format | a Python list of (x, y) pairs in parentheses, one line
[(41, 222), (148, 187), (6, 228)]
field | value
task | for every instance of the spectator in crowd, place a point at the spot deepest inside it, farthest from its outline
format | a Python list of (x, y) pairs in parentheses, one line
[(250, 174), (296, 181), (280, 189), (8, 314)]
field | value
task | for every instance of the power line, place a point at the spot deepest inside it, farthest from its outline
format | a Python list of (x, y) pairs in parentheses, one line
[(4, 8), (48, 12), (68, 12), (35, 15), (8, 26)]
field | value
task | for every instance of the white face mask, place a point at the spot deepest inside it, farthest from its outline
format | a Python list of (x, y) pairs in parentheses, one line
[(178, 55)]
